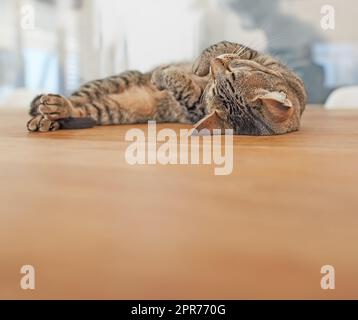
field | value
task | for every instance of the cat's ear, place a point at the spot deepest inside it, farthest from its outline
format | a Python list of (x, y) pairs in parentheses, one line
[(278, 105), (274, 99), (210, 123)]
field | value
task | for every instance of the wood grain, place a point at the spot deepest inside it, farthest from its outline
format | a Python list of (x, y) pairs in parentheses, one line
[(95, 227)]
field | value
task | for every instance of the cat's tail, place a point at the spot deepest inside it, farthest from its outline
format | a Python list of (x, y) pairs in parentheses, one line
[(77, 123)]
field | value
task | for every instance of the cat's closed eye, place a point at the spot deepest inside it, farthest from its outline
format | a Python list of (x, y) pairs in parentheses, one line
[(234, 64)]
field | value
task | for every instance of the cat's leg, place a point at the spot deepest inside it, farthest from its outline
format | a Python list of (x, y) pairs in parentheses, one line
[(94, 100), (185, 87), (201, 66), (53, 110)]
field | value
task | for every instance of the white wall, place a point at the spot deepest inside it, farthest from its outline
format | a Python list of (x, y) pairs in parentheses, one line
[(154, 31), (346, 16)]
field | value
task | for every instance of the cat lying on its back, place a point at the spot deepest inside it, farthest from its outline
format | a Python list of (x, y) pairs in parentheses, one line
[(229, 87)]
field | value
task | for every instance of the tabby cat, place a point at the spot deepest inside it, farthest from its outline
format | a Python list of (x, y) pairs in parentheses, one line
[(230, 86)]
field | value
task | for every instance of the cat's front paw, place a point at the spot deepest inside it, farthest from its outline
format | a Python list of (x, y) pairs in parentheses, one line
[(201, 66), (54, 107), (42, 124), (159, 77)]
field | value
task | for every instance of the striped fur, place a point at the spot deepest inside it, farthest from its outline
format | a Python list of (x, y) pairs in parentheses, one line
[(184, 93)]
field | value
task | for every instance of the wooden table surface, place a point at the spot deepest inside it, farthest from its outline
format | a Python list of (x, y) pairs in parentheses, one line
[(95, 227)]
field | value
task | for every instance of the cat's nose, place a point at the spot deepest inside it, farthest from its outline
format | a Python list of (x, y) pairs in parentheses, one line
[(218, 66)]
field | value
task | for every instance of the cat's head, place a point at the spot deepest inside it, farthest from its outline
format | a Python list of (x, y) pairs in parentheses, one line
[(252, 99)]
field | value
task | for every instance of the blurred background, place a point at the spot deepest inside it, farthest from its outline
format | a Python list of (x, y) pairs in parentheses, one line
[(55, 45)]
